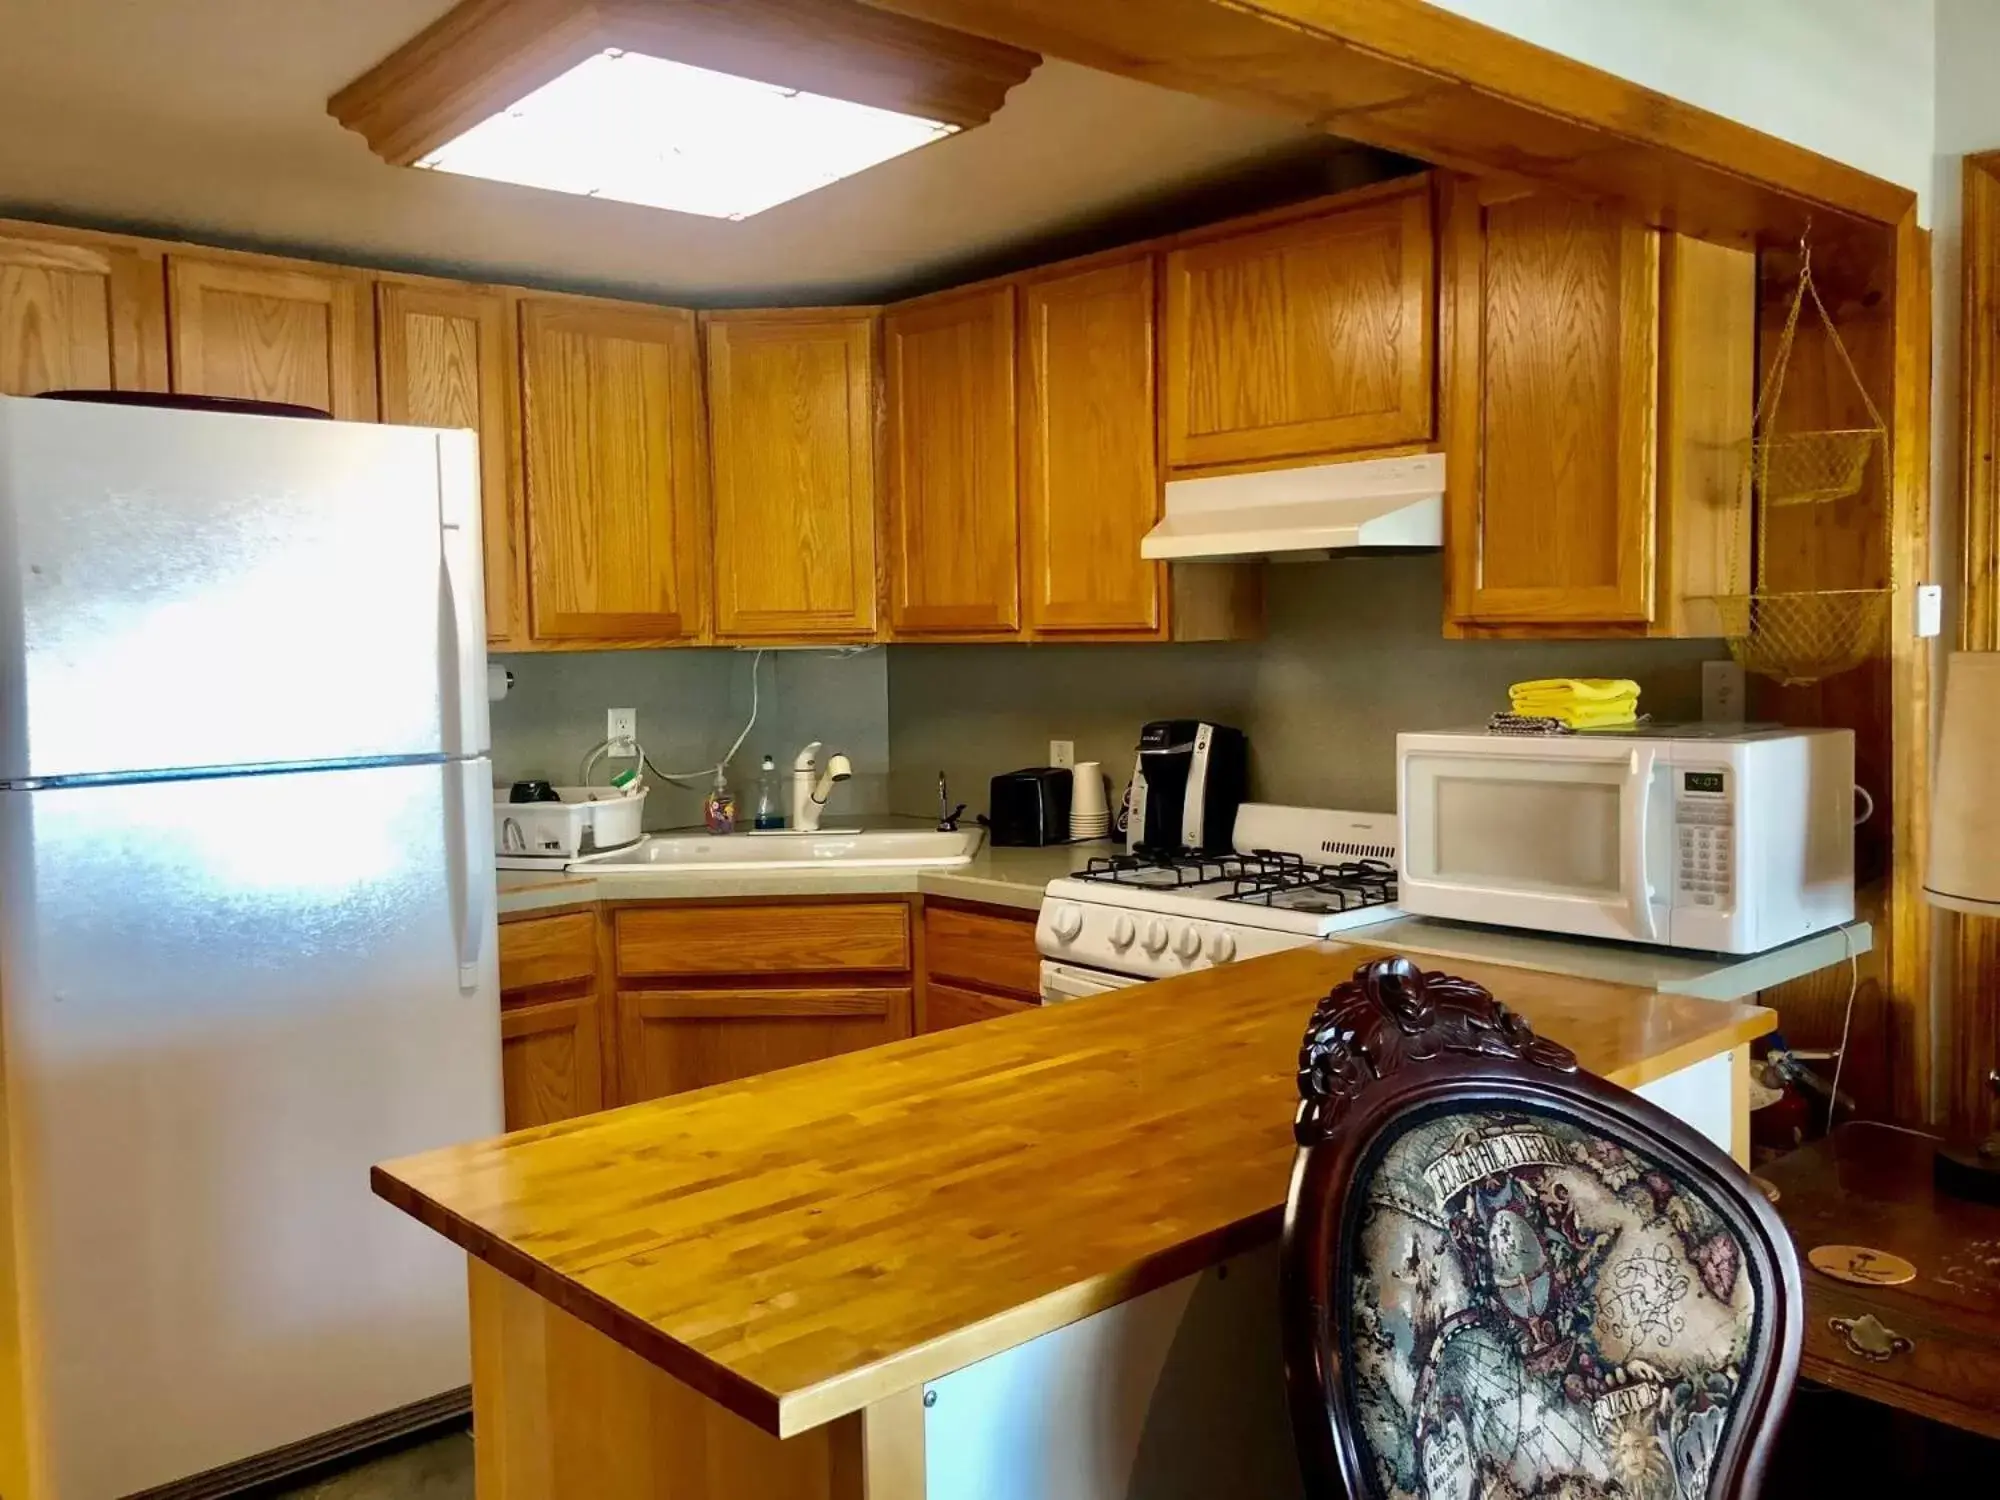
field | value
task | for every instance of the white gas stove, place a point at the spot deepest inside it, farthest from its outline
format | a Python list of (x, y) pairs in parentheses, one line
[(1297, 874)]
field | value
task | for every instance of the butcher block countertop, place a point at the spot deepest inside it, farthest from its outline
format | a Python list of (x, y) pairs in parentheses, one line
[(800, 1244)]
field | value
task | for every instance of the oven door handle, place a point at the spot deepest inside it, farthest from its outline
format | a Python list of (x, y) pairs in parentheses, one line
[(1633, 836)]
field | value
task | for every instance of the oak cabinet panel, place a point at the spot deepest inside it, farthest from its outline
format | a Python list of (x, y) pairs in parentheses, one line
[(954, 534), (444, 360), (1311, 336), (551, 1060), (272, 331), (613, 472), (763, 939), (982, 949), (949, 1005), (791, 410), (79, 313), (674, 1040), (1090, 482)]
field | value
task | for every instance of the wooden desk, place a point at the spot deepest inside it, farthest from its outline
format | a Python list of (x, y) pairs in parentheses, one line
[(1871, 1185)]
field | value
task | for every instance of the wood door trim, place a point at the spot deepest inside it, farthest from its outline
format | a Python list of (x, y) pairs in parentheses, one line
[(741, 1004), (539, 1016)]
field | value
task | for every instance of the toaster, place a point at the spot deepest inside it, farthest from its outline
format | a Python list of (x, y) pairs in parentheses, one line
[(1030, 807)]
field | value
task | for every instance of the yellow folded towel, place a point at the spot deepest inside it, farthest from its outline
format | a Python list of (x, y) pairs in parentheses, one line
[(1580, 702)]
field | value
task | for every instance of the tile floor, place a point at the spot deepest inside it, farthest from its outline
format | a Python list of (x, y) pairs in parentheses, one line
[(438, 1469)]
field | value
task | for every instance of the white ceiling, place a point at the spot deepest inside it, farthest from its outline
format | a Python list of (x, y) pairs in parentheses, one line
[(207, 118)]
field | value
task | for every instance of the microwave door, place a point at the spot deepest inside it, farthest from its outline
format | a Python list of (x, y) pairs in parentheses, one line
[(1556, 836)]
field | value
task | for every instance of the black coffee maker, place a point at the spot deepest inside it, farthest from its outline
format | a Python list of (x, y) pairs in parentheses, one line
[(1190, 778)]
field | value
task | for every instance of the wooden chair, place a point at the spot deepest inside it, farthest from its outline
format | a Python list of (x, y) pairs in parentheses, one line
[(1505, 1276)]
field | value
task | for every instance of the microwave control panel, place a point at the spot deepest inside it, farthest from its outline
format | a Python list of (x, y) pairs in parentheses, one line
[(1704, 829)]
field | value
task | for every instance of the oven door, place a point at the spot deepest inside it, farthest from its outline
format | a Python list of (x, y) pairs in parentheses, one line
[(1559, 835), (1063, 982)]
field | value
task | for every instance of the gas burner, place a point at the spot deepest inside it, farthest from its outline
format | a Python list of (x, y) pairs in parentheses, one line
[(1319, 890), (1170, 872)]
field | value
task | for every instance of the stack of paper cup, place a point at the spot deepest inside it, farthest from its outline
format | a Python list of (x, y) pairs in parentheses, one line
[(1089, 817)]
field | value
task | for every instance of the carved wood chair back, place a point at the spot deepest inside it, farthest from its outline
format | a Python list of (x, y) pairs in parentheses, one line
[(1503, 1275)]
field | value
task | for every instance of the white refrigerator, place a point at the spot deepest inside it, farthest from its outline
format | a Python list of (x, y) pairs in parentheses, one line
[(246, 935)]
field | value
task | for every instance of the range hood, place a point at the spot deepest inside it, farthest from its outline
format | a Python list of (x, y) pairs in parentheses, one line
[(1367, 503)]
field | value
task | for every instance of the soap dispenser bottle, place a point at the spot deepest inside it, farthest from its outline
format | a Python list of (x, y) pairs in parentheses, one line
[(718, 809), (770, 812)]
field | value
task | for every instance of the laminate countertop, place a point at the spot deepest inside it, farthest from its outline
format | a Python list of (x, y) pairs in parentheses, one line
[(799, 1244)]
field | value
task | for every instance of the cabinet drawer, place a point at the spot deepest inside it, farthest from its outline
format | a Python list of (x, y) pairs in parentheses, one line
[(1921, 1363), (776, 939), (989, 952), (548, 950), (946, 1006)]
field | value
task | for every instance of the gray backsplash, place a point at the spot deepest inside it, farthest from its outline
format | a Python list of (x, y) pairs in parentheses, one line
[(1353, 656), (691, 704)]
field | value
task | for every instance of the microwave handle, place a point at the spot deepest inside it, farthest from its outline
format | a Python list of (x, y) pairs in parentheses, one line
[(1638, 824)]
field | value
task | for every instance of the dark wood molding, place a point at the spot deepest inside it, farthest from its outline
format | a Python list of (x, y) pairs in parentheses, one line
[(1421, 80), (484, 54), (1393, 1041), (1969, 1008)]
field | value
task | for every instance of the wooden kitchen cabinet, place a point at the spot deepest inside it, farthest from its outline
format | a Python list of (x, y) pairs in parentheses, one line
[(673, 1040), (1090, 480), (792, 441), (980, 963), (270, 330), (445, 359), (552, 1039), (1312, 334), (1599, 407), (80, 311), (954, 531), (613, 480)]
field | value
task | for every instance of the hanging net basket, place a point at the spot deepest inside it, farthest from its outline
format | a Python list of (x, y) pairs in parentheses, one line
[(1805, 636), (1801, 638)]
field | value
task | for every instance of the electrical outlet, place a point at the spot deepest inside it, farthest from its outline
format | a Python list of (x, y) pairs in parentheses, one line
[(621, 728), (1722, 693), (1062, 752)]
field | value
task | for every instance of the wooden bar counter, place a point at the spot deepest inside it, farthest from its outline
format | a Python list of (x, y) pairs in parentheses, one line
[(743, 1291)]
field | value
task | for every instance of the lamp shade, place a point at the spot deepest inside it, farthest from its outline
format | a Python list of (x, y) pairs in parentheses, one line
[(1965, 801)]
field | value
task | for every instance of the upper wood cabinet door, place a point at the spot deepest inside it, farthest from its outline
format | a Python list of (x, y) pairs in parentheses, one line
[(791, 420), (1090, 481), (79, 314), (276, 332), (617, 544), (954, 528), (1554, 310), (1312, 336), (443, 362)]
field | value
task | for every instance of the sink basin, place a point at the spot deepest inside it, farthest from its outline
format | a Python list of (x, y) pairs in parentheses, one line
[(832, 849)]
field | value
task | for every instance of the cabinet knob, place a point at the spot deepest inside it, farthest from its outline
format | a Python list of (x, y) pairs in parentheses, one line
[(1870, 1338)]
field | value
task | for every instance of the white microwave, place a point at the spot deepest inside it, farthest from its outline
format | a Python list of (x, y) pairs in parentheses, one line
[(1726, 840)]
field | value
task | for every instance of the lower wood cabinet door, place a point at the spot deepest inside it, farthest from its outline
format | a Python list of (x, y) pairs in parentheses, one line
[(551, 1060), (946, 1006), (673, 1040)]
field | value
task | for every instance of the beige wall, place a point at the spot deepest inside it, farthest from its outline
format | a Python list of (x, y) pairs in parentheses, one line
[(691, 705), (1354, 655)]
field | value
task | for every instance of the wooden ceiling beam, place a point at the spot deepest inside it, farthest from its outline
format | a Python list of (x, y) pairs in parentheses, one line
[(483, 55), (1414, 78)]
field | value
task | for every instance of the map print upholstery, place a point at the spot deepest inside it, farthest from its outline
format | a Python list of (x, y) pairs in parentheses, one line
[(1538, 1312)]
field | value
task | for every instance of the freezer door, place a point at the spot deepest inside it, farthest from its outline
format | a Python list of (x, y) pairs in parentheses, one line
[(185, 589), (225, 1000)]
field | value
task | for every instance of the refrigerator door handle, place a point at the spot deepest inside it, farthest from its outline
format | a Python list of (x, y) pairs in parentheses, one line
[(461, 598), (468, 809)]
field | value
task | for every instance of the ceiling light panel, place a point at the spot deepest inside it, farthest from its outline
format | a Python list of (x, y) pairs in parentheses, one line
[(645, 130)]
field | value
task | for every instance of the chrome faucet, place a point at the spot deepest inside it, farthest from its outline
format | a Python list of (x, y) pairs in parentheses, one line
[(811, 786)]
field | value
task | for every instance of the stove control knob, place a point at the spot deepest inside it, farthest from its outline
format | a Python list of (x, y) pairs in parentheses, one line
[(1188, 944), (1123, 933), (1221, 947), (1066, 922), (1156, 936)]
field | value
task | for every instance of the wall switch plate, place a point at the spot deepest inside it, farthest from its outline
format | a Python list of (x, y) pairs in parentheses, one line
[(1930, 610), (621, 728), (1723, 693), (1062, 752)]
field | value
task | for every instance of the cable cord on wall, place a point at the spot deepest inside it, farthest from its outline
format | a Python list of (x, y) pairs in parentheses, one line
[(756, 661), (1846, 1026)]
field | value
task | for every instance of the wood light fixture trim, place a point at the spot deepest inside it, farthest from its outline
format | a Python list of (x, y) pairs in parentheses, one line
[(484, 55)]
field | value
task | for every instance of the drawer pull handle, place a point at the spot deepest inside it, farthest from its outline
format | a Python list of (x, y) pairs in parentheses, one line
[(1870, 1338)]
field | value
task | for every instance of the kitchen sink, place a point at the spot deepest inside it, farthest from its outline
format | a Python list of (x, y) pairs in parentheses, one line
[(830, 849)]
